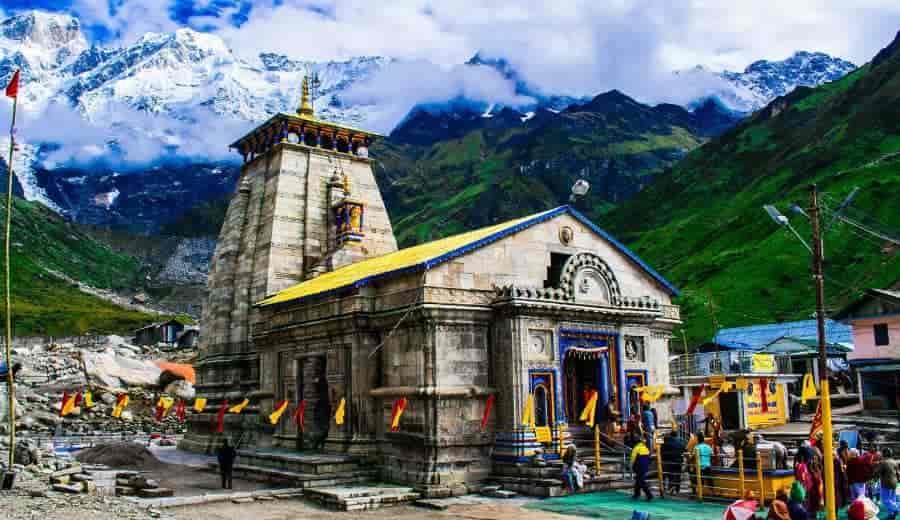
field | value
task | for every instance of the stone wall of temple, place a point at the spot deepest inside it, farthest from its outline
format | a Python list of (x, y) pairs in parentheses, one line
[(276, 234)]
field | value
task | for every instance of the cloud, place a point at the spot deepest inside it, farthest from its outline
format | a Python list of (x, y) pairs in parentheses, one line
[(125, 136), (401, 85)]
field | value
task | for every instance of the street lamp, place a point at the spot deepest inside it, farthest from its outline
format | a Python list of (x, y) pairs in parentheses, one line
[(579, 189), (783, 221)]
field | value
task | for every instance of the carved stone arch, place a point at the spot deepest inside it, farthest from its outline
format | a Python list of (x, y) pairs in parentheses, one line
[(580, 276)]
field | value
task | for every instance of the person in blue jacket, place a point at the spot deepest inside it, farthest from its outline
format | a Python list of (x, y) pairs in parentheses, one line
[(4, 372)]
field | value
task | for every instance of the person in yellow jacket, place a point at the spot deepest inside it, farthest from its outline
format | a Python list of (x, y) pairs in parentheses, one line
[(640, 464)]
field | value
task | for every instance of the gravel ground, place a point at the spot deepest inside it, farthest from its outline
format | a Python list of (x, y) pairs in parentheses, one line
[(293, 509)]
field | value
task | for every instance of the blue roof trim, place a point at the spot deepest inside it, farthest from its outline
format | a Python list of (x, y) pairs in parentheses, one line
[(543, 217), (624, 250)]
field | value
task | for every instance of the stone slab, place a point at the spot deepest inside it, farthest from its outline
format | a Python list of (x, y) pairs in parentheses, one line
[(159, 492)]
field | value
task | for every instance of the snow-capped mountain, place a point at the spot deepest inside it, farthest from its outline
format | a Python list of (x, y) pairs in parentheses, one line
[(169, 74), (763, 80), (181, 96)]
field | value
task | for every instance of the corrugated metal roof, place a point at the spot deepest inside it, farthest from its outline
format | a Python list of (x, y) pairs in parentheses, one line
[(430, 254), (755, 337)]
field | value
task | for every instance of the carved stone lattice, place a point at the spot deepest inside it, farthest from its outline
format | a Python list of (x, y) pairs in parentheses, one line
[(586, 276)]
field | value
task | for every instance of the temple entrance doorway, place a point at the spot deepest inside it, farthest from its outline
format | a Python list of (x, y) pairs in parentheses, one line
[(584, 373), (312, 386)]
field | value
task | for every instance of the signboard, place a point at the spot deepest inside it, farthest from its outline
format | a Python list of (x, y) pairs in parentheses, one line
[(776, 413), (764, 363), (543, 434)]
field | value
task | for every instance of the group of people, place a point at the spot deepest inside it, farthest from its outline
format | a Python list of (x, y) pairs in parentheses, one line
[(861, 480)]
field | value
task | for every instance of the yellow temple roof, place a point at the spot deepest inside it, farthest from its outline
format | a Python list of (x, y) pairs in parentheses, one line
[(425, 256), (422, 256)]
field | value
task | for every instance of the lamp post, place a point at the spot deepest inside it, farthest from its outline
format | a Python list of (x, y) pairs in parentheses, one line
[(819, 280), (825, 402)]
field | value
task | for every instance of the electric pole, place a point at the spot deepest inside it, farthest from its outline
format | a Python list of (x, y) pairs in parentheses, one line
[(825, 402)]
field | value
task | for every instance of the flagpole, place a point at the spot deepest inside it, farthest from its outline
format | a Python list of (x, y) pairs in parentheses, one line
[(10, 379)]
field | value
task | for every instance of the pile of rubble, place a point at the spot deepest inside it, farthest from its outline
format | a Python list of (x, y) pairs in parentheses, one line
[(132, 483), (47, 483), (107, 366)]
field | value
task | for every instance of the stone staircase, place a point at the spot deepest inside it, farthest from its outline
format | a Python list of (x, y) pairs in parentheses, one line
[(545, 480), (300, 469)]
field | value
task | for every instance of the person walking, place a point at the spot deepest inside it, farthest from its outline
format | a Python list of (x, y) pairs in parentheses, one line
[(857, 474), (226, 455), (703, 454), (640, 464), (672, 454), (887, 475)]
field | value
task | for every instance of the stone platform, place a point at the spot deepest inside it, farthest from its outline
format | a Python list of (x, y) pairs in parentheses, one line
[(546, 481), (358, 498), (300, 469)]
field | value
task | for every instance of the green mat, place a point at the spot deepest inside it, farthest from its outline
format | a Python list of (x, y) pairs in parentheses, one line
[(615, 505)]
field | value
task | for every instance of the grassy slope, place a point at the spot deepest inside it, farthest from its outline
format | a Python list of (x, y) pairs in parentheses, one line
[(703, 227), (46, 305), (490, 175)]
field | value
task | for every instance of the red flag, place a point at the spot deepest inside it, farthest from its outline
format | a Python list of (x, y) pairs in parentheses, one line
[(695, 398), (65, 400), (298, 414), (77, 399), (816, 425), (12, 90), (179, 411), (764, 394), (220, 417), (487, 411)]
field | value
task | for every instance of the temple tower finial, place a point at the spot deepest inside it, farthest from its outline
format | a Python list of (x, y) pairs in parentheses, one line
[(306, 108)]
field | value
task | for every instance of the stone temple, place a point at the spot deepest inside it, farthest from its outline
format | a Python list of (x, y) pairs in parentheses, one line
[(308, 287)]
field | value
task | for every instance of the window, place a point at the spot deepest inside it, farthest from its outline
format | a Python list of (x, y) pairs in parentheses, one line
[(554, 271), (881, 334)]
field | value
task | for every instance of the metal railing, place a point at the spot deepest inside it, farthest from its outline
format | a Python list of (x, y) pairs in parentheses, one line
[(729, 362)]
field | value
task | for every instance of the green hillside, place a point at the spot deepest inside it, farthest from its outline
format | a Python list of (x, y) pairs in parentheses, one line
[(44, 304), (703, 227), (488, 170)]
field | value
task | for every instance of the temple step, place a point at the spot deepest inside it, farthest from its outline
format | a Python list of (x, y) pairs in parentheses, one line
[(298, 479), (300, 462), (358, 498)]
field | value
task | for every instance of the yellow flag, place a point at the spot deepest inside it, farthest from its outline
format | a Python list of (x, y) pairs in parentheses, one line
[(279, 409), (528, 413), (238, 408), (165, 402), (709, 398), (809, 388), (199, 404), (88, 400), (339, 414), (590, 410), (68, 405)]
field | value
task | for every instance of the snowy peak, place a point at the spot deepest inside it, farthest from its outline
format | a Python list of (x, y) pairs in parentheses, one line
[(46, 30), (764, 80)]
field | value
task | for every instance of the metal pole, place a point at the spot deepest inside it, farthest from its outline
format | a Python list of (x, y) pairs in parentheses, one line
[(659, 467), (759, 477), (10, 379), (597, 449), (740, 454), (819, 279), (699, 475)]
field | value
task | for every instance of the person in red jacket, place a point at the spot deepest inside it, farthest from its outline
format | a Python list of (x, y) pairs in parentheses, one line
[(859, 470)]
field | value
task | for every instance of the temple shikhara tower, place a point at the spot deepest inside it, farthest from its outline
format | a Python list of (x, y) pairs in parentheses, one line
[(310, 300)]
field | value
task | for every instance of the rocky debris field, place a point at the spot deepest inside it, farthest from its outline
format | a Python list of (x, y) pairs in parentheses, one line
[(106, 367), (51, 486)]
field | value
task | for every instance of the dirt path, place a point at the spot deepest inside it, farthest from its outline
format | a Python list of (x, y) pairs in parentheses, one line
[(292, 509)]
